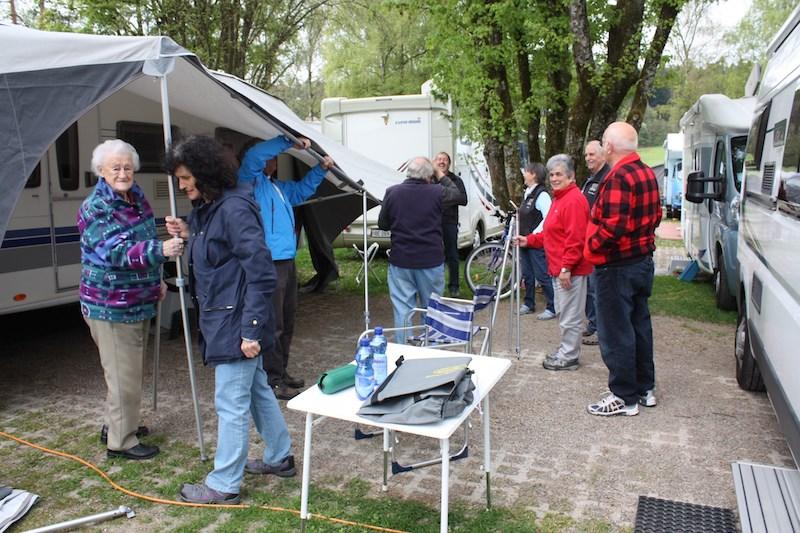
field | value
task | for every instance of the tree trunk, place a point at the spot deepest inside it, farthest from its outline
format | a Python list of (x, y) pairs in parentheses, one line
[(666, 20), (493, 151), (512, 165), (533, 129), (557, 115), (533, 114), (12, 7), (582, 108)]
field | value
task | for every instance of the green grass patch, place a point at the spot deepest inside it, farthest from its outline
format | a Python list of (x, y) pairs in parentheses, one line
[(652, 155), (693, 300), (68, 490), (671, 297)]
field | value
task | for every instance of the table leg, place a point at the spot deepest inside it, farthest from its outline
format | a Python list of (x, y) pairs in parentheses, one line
[(487, 449), (306, 472), (386, 437), (445, 446)]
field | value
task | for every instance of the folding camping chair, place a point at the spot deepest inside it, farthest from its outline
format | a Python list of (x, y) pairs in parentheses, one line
[(448, 323), (372, 250)]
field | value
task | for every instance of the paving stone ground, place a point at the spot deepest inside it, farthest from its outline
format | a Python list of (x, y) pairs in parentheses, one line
[(549, 454)]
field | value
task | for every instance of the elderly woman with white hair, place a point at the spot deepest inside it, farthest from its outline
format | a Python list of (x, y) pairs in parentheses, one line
[(120, 285), (562, 238)]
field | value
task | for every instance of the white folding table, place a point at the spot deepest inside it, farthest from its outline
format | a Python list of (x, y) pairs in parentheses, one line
[(344, 405)]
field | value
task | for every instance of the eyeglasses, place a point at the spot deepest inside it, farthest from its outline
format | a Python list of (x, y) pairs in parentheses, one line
[(126, 169)]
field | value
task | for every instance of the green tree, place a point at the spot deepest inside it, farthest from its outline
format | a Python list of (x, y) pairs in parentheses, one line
[(374, 49), (252, 39), (750, 38)]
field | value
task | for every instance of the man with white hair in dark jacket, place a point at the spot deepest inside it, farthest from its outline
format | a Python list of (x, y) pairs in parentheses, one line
[(412, 210)]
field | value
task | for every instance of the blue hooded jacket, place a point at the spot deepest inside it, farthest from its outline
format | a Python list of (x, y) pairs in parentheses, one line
[(276, 197), (231, 276)]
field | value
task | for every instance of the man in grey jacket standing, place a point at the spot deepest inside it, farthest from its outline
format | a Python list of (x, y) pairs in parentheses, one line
[(412, 210), (598, 168)]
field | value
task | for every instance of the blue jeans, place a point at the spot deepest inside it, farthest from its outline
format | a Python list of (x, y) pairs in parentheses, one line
[(241, 390), (534, 267), (591, 311), (410, 288), (624, 328)]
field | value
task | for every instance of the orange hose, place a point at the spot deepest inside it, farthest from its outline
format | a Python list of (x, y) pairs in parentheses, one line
[(153, 499)]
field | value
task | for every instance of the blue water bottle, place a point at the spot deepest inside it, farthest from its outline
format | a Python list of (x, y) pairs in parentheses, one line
[(378, 345), (365, 378)]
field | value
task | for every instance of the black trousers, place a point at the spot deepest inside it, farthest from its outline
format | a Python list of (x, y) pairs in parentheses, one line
[(284, 303), (450, 236)]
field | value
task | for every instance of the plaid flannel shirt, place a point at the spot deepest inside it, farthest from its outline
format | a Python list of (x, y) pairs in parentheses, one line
[(625, 215)]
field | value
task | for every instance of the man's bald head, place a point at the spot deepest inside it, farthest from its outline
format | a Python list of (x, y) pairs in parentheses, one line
[(619, 140)]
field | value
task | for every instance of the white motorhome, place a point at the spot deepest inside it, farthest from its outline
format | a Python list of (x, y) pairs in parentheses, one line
[(67, 92), (714, 138), (394, 129), (673, 174), (40, 253), (768, 332)]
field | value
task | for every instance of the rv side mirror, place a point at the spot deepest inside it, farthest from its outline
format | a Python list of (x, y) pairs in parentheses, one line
[(696, 187)]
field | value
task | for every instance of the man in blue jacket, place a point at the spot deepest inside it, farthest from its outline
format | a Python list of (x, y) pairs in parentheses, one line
[(412, 210), (276, 199)]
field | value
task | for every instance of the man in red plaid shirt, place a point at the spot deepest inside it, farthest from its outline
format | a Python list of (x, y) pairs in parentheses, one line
[(620, 240)]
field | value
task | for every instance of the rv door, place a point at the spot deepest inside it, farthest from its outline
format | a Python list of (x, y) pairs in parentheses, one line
[(68, 188)]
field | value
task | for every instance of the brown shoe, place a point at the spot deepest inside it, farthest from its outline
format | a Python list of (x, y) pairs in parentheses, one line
[(284, 392)]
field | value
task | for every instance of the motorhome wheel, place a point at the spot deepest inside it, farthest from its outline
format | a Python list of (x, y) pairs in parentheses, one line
[(748, 374)]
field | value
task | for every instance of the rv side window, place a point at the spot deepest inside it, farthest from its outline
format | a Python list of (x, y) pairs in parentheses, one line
[(35, 179), (148, 139), (738, 145), (789, 189), (755, 140), (720, 166), (67, 158)]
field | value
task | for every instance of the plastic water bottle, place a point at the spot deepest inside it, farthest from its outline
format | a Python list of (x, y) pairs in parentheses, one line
[(378, 345), (365, 378)]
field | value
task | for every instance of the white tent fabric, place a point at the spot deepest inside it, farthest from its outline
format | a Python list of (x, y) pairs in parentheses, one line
[(375, 176), (49, 79)]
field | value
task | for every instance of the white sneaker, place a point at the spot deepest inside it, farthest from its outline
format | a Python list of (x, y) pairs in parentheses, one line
[(612, 405), (648, 399), (546, 315), (524, 309)]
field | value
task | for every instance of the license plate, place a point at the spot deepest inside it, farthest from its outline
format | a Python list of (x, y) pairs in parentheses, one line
[(380, 233)]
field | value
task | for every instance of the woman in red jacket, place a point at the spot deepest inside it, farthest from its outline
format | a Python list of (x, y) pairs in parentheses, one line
[(562, 238)]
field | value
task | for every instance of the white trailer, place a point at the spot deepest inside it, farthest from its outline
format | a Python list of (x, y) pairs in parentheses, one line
[(673, 174), (714, 138), (394, 129), (40, 253), (768, 331)]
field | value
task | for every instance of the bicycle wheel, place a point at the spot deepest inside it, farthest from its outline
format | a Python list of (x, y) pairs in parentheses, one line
[(483, 267)]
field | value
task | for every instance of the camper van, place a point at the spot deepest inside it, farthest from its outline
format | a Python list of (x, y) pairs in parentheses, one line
[(768, 331), (394, 129), (673, 175), (40, 252), (714, 138)]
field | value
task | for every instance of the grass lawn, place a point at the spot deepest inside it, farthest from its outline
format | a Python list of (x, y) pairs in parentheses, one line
[(70, 489), (671, 296), (652, 155)]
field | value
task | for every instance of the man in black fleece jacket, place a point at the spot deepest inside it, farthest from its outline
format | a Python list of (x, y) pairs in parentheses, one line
[(412, 211)]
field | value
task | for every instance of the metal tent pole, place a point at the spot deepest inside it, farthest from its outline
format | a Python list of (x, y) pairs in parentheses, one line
[(179, 280), (157, 345), (366, 261), (517, 253)]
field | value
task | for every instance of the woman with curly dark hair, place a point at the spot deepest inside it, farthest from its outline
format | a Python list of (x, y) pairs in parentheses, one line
[(231, 277)]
